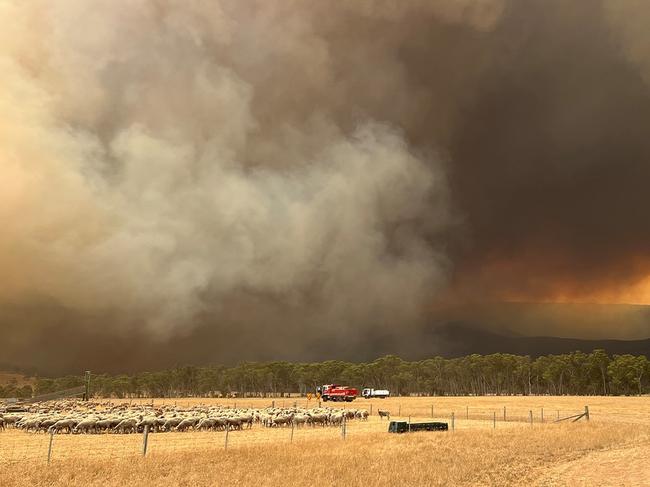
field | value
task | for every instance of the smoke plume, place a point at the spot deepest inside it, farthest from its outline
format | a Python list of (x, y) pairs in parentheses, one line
[(223, 180), (168, 161)]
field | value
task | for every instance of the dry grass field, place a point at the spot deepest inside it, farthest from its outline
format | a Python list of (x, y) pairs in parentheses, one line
[(613, 448)]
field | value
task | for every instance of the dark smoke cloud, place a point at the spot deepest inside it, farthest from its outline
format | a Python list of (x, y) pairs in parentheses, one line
[(215, 181), (551, 162)]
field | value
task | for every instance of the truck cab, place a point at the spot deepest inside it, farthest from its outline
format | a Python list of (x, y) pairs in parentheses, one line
[(369, 393)]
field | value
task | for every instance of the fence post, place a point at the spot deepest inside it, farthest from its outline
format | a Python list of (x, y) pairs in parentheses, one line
[(504, 414), (343, 427), (452, 421), (531, 416), (558, 414), (293, 425), (399, 411), (145, 440), (49, 448), (494, 419), (227, 430), (432, 410), (542, 418), (466, 412), (587, 412), (371, 410), (273, 403), (409, 424)]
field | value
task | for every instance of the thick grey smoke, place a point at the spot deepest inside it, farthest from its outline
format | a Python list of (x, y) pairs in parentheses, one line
[(629, 21), (165, 159), (203, 181)]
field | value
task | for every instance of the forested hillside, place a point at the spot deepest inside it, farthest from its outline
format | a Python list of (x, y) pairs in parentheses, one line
[(595, 373)]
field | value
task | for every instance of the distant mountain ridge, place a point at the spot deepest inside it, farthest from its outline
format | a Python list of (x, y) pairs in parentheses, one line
[(459, 339), (449, 340)]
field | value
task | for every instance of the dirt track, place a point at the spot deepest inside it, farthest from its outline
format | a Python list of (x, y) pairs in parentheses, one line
[(626, 466)]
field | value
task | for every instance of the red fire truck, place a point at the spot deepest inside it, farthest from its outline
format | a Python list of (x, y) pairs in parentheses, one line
[(335, 392)]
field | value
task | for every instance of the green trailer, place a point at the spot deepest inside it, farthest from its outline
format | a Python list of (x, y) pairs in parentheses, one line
[(406, 427)]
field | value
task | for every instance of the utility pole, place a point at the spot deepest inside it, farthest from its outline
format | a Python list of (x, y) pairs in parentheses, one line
[(87, 394)]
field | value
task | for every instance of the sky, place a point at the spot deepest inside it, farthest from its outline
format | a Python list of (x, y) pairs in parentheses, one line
[(215, 181)]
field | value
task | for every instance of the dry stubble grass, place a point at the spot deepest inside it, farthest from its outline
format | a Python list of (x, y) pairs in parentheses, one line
[(474, 454), (510, 456)]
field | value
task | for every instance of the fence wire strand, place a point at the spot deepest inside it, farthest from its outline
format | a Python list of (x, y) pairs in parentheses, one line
[(17, 446)]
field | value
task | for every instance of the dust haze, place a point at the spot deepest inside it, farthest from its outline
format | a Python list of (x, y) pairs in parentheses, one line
[(213, 181)]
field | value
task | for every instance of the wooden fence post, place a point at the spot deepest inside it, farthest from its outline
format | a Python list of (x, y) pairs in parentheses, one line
[(466, 412), (227, 430), (399, 412), (432, 410), (145, 440), (343, 427), (452, 421), (587, 412), (504, 414), (494, 419), (293, 425), (531, 416), (409, 424), (49, 448), (542, 417)]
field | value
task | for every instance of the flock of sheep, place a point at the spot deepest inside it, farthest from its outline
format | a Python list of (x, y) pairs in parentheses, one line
[(76, 417)]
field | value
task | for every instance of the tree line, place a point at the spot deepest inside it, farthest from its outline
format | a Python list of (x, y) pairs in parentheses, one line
[(576, 373), (12, 389)]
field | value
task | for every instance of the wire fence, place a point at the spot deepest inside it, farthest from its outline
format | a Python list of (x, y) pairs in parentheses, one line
[(17, 446), (506, 413)]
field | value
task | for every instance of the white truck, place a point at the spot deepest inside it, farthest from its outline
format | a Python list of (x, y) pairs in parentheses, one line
[(370, 393)]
